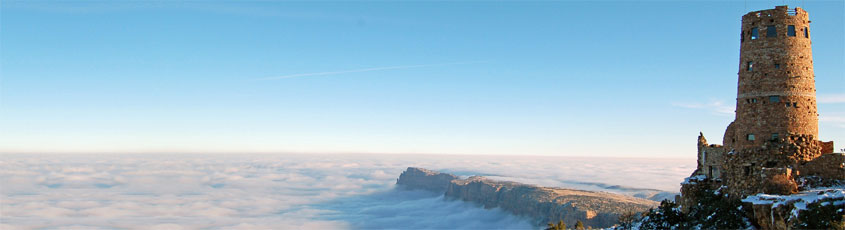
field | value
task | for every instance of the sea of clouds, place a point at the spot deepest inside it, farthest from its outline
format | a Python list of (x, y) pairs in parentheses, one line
[(313, 191)]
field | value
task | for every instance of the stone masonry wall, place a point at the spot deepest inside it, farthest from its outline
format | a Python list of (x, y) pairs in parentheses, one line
[(829, 166), (827, 147), (710, 158), (745, 169)]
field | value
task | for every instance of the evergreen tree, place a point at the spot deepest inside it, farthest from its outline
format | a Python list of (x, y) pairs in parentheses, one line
[(720, 212), (559, 226), (716, 211), (666, 216), (579, 225), (821, 215)]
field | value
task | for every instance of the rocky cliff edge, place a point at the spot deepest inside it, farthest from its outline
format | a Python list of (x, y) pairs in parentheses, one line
[(540, 204)]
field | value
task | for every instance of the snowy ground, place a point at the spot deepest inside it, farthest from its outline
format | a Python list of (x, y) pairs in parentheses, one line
[(192, 191)]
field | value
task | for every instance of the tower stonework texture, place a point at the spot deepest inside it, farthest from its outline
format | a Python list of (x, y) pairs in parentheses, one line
[(776, 90), (773, 141)]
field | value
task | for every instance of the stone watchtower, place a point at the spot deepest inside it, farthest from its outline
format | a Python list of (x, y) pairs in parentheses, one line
[(774, 137), (776, 95)]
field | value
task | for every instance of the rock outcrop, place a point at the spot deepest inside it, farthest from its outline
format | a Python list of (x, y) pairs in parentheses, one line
[(782, 212), (420, 178), (541, 204)]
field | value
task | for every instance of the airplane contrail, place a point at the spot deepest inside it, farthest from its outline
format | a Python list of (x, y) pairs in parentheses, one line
[(360, 70)]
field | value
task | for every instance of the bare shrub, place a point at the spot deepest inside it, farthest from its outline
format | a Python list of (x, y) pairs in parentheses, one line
[(627, 218), (780, 184)]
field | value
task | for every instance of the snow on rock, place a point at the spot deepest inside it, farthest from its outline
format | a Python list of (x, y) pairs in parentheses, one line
[(694, 179), (798, 201)]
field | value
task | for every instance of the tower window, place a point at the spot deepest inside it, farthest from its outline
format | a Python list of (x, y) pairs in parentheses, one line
[(790, 30), (750, 137), (749, 66), (741, 36), (795, 104), (754, 33), (774, 98), (771, 31), (806, 32), (710, 172), (753, 100), (777, 66), (774, 136)]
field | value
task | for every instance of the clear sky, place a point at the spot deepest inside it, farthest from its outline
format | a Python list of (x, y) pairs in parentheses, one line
[(606, 78)]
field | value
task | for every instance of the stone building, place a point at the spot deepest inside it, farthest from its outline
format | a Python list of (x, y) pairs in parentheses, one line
[(774, 135), (710, 158)]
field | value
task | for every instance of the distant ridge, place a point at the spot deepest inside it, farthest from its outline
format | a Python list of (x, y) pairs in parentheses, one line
[(540, 204)]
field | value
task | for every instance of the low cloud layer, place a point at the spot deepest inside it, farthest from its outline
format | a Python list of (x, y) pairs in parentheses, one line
[(283, 191)]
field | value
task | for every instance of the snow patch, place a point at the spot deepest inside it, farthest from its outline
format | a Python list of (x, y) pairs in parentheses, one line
[(799, 201)]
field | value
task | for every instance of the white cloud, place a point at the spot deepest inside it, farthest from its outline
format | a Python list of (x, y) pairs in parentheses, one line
[(830, 98), (714, 107), (832, 119), (838, 121), (283, 191)]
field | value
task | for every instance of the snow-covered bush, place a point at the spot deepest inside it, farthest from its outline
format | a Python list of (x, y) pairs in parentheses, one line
[(826, 214)]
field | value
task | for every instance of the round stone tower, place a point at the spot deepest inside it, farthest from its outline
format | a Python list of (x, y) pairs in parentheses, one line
[(776, 96)]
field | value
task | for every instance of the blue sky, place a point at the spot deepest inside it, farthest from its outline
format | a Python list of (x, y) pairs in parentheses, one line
[(606, 78)]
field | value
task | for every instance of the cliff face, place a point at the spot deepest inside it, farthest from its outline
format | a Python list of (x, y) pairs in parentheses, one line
[(541, 204), (420, 178)]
